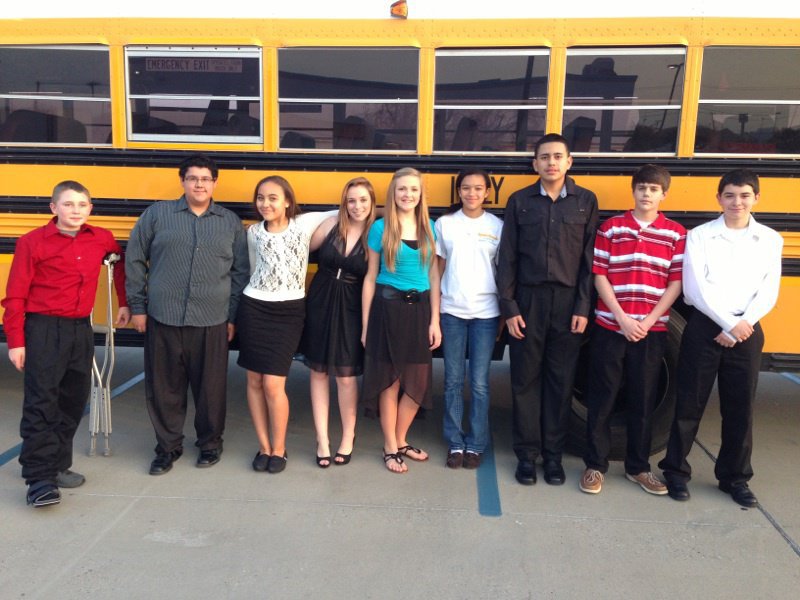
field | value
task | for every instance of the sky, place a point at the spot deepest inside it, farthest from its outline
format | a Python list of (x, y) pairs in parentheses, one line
[(379, 9)]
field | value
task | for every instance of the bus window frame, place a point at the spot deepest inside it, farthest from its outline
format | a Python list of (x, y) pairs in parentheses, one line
[(445, 52), (741, 102), (676, 105), (144, 51), (56, 97), (312, 101)]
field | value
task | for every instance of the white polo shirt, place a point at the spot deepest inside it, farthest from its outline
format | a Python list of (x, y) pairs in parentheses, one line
[(470, 248)]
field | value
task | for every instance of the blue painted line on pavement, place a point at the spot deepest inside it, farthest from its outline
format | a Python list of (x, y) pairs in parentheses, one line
[(13, 453), (488, 492), (792, 377), (10, 454), (121, 389)]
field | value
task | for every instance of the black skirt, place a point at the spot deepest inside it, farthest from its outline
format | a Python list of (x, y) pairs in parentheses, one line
[(397, 347), (269, 333)]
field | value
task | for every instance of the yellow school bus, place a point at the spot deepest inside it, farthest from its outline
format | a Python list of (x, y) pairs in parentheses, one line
[(117, 103)]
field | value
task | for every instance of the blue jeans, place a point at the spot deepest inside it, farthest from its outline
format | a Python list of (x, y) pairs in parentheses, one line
[(458, 336)]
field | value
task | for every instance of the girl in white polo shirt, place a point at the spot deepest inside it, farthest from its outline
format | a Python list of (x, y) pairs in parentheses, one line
[(467, 241)]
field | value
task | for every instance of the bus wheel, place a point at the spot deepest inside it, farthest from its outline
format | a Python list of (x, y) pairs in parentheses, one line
[(665, 405)]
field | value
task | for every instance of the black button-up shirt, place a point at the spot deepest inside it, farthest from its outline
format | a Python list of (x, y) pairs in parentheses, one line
[(546, 241)]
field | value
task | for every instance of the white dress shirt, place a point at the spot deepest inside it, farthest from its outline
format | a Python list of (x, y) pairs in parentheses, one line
[(730, 275)]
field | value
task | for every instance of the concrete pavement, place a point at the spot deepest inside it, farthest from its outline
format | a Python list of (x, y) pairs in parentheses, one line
[(361, 532)]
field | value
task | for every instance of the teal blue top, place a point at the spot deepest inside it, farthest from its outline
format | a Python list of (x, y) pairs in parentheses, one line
[(408, 273)]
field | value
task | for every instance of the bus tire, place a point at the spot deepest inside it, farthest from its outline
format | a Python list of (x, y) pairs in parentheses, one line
[(662, 415)]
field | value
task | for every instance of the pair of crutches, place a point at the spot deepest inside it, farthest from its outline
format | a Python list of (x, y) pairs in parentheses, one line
[(100, 396)]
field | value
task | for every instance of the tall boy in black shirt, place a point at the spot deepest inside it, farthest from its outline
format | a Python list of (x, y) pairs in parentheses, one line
[(544, 279)]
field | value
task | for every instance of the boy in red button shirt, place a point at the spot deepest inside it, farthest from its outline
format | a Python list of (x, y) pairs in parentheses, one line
[(638, 260), (49, 297)]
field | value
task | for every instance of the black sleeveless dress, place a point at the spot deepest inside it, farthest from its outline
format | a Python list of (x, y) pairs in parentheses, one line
[(331, 341)]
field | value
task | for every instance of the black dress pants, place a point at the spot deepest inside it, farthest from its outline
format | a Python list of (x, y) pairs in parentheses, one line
[(701, 361), (179, 358), (543, 371), (58, 377), (618, 363)]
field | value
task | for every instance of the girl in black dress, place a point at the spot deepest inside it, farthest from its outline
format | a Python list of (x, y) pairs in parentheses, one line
[(331, 340)]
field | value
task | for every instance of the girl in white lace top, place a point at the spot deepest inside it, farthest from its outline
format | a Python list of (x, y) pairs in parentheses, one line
[(272, 312)]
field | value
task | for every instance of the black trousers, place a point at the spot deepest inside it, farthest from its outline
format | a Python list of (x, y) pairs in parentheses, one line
[(543, 371), (58, 378), (179, 358), (633, 366), (702, 361)]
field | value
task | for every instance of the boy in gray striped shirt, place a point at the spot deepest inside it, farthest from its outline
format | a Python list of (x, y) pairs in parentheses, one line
[(187, 264)]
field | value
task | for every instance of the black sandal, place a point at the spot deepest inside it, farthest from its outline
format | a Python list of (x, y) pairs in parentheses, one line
[(320, 460), (409, 448), (397, 457)]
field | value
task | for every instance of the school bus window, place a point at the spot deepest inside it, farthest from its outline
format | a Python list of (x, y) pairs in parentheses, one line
[(348, 98), (490, 100), (54, 95), (749, 101), (194, 94), (624, 100)]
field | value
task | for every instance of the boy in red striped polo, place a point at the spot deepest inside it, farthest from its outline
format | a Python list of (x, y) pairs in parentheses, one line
[(637, 270)]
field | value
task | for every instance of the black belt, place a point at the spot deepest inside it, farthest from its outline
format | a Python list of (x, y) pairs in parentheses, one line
[(408, 296), (341, 275)]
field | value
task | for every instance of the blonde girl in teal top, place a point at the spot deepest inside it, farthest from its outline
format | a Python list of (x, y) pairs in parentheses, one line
[(400, 301)]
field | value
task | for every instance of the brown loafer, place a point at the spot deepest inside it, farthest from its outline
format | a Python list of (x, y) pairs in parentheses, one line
[(472, 460), (455, 458)]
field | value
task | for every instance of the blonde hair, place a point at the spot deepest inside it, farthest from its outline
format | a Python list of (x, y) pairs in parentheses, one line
[(344, 216), (391, 232)]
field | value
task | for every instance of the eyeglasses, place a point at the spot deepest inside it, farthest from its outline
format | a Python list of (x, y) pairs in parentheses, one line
[(194, 180)]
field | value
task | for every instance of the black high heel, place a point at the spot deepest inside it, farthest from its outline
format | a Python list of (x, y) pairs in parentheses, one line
[(345, 458), (323, 458)]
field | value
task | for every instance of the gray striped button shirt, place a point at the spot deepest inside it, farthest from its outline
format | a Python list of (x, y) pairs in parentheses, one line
[(186, 270)]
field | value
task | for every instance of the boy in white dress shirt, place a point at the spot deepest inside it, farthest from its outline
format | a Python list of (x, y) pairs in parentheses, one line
[(731, 276)]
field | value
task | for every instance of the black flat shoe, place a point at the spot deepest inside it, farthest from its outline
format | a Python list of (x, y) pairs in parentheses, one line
[(677, 489), (208, 458), (260, 462), (554, 473), (741, 494), (162, 463), (276, 463), (321, 461), (526, 472)]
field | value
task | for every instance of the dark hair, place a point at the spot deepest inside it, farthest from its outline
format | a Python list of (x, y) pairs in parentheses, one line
[(200, 161), (462, 175), (69, 185), (739, 177), (549, 139), (655, 174), (292, 210)]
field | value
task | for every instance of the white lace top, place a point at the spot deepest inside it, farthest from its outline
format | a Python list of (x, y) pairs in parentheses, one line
[(278, 261)]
